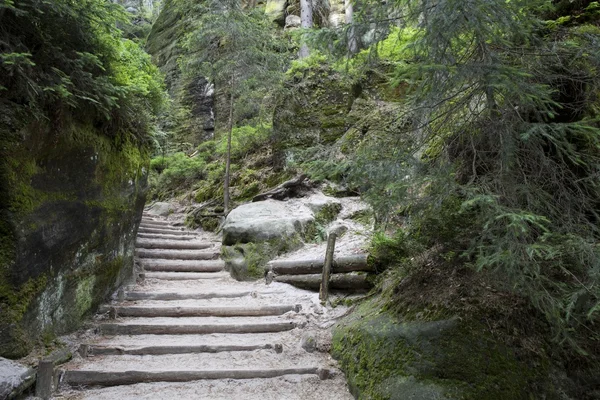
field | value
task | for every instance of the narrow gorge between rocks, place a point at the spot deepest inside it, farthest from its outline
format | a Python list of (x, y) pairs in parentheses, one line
[(300, 199)]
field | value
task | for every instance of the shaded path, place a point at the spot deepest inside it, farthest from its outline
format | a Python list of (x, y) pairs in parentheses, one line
[(188, 330)]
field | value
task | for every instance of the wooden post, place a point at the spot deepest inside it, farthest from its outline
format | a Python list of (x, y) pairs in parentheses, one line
[(324, 292), (45, 376)]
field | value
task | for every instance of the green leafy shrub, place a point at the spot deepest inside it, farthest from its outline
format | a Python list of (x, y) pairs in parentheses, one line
[(60, 56), (175, 173), (389, 251), (245, 140)]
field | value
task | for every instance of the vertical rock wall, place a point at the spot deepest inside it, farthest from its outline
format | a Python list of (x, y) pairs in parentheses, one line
[(193, 117), (70, 203)]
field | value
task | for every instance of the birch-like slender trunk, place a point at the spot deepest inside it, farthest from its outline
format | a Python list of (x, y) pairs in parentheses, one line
[(306, 15), (352, 39), (228, 155)]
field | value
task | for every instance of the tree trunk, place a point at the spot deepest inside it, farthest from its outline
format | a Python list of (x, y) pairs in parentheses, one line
[(306, 15), (228, 156), (352, 40)]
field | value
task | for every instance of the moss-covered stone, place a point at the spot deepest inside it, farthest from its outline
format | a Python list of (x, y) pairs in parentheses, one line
[(69, 204), (315, 113), (248, 261), (386, 357), (328, 212)]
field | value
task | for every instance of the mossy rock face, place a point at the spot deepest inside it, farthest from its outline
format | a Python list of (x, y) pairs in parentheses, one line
[(69, 205), (209, 224), (248, 261), (387, 358), (315, 114), (193, 114)]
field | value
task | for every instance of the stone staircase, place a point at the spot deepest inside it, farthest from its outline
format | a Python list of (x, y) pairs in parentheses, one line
[(188, 330)]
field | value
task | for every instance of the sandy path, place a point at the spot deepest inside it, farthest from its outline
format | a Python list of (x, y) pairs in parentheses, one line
[(308, 320)]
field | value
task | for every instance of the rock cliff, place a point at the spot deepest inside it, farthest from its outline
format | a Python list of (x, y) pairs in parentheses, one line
[(70, 204)]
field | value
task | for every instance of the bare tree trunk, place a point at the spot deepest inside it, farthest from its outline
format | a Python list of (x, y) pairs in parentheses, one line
[(228, 156), (352, 40), (306, 15)]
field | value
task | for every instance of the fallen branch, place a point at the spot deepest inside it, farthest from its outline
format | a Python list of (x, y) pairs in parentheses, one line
[(283, 191)]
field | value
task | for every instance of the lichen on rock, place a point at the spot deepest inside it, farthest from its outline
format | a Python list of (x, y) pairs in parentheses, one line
[(67, 231)]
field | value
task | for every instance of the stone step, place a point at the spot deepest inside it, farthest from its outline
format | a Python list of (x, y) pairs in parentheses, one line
[(158, 223), (177, 254), (166, 231), (142, 235), (171, 244), (170, 312), (217, 339), (352, 263), (182, 276), (175, 229), (337, 282), (195, 329), (86, 350), (183, 265), (166, 296), (103, 378)]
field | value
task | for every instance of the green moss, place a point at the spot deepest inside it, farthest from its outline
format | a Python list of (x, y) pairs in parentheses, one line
[(205, 191), (328, 213), (248, 261), (249, 191), (365, 217), (209, 224), (83, 295), (119, 166), (314, 232), (107, 277), (387, 358)]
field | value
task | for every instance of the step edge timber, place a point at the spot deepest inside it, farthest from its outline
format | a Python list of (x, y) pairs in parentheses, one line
[(86, 350), (180, 276), (107, 378), (158, 236), (173, 245), (172, 296), (178, 311), (181, 262), (183, 268), (188, 329), (154, 225), (162, 227), (176, 254)]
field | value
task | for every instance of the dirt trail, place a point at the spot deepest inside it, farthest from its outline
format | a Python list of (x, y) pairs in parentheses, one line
[(203, 335)]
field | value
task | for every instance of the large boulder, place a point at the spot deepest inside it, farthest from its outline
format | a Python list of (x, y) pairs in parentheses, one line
[(395, 351), (275, 9), (13, 376), (266, 220), (255, 233), (161, 209)]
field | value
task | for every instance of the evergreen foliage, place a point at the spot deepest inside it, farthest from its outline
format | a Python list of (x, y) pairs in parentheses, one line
[(60, 56), (497, 160), (240, 52), (237, 49)]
